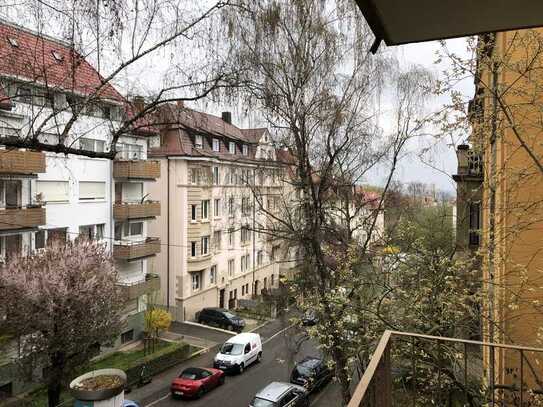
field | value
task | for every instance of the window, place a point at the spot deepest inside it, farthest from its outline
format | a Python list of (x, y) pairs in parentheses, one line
[(57, 55), (288, 398), (86, 232), (217, 207), (118, 233), (205, 209), (10, 193), (216, 145), (272, 280), (231, 206), (89, 191), (39, 239), (133, 228), (275, 251), (13, 42), (205, 245), (215, 175), (245, 149), (232, 147), (193, 249), (100, 231), (231, 237), (24, 94), (259, 257), (128, 151), (217, 240), (232, 176), (212, 274), (196, 281), (245, 205), (194, 176), (244, 234), (91, 144), (245, 263), (198, 142), (231, 267), (57, 235), (53, 191), (474, 223), (127, 336), (193, 212)]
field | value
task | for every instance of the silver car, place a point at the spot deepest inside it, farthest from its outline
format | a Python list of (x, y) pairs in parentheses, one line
[(279, 394)]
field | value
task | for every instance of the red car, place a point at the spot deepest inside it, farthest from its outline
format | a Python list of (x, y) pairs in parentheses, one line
[(195, 381)]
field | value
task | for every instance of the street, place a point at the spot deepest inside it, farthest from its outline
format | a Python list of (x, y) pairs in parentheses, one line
[(283, 345)]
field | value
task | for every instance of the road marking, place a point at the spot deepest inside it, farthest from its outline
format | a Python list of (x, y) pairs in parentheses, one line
[(157, 400), (277, 333)]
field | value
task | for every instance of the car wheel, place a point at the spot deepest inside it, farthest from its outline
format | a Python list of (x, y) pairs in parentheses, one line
[(230, 328), (200, 393), (241, 368), (259, 357), (221, 380)]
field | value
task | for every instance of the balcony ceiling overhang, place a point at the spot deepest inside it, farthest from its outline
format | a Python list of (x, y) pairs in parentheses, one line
[(402, 22)]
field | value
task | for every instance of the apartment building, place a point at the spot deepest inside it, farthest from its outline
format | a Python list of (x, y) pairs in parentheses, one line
[(218, 181), (42, 79)]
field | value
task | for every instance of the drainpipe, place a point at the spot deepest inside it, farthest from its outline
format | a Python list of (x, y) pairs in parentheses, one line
[(254, 234), (168, 239)]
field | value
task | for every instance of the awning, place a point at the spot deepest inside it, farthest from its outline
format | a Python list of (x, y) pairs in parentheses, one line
[(406, 21)]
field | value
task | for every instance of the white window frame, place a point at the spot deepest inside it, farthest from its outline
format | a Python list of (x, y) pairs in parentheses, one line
[(204, 246), (231, 267), (198, 141), (196, 280), (193, 213), (193, 249), (216, 145), (217, 240), (245, 149), (99, 197), (231, 237), (213, 274), (216, 175), (217, 207), (231, 147), (205, 209)]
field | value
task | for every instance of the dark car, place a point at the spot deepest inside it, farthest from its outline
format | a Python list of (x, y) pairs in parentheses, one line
[(279, 394), (311, 373), (196, 381), (310, 318), (221, 318)]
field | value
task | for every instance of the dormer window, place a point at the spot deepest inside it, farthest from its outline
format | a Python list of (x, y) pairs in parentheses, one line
[(13, 42), (216, 145), (198, 142), (232, 147), (245, 149), (57, 55)]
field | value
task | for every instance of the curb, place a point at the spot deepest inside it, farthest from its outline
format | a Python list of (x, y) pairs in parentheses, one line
[(261, 325), (210, 327)]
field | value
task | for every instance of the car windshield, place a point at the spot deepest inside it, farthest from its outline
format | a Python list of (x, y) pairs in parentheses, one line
[(229, 315), (303, 371), (188, 375), (258, 402), (232, 349)]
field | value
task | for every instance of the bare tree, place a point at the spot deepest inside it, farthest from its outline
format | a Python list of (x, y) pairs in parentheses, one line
[(307, 69), (149, 48), (62, 304)]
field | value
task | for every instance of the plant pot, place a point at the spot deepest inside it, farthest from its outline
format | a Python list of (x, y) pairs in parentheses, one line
[(98, 394)]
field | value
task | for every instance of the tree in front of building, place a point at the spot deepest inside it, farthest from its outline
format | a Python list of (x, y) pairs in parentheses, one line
[(157, 320), (62, 304)]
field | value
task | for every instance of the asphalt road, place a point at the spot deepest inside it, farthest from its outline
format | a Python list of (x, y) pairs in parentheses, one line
[(282, 347)]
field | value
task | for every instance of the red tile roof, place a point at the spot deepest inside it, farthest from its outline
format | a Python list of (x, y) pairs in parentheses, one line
[(33, 60)]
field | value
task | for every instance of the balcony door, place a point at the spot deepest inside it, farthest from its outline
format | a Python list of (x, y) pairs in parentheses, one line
[(12, 246), (10, 194)]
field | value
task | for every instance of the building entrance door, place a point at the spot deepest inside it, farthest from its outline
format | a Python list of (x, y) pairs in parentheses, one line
[(221, 298)]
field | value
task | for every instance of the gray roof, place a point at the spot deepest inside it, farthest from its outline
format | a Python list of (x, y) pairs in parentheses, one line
[(273, 391)]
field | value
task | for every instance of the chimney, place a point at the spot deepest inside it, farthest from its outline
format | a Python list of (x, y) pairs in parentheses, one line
[(462, 156), (180, 104), (227, 117), (139, 103)]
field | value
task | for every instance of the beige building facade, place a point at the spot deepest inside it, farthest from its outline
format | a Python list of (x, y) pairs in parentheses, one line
[(219, 184)]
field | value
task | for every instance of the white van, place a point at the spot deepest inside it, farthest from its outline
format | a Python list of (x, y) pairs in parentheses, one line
[(239, 352)]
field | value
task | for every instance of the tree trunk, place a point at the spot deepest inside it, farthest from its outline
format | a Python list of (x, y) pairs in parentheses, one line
[(342, 374), (53, 394)]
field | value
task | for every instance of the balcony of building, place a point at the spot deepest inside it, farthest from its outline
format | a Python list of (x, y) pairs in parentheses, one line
[(136, 169), (134, 289), (22, 218), (21, 162), (132, 250), (408, 369), (135, 210)]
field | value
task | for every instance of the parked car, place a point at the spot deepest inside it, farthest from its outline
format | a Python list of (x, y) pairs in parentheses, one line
[(196, 381), (311, 373), (239, 352), (221, 318), (310, 318), (130, 403), (278, 394)]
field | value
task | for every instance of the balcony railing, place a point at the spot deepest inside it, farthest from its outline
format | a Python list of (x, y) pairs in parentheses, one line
[(138, 169), (125, 210), (21, 162), (409, 369), (132, 290), (21, 218), (136, 250)]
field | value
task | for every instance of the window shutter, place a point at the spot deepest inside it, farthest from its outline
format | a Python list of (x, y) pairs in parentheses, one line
[(53, 191), (92, 190)]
